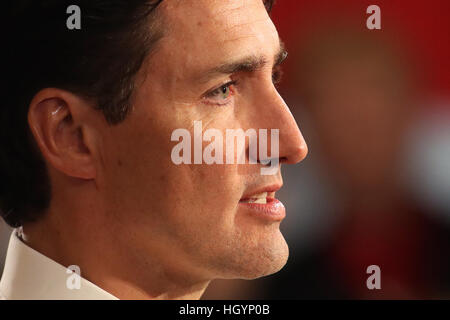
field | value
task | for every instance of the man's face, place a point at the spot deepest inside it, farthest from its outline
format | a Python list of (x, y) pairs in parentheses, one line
[(190, 216)]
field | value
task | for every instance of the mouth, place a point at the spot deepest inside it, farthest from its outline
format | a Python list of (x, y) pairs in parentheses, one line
[(263, 204)]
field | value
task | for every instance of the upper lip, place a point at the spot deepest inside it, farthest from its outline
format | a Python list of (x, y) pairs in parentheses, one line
[(270, 189)]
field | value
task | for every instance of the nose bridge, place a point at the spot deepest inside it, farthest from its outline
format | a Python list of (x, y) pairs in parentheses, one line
[(292, 146)]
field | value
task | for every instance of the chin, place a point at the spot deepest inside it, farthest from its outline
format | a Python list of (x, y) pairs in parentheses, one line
[(271, 261), (267, 258)]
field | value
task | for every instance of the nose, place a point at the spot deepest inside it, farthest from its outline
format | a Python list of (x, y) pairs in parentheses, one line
[(292, 146)]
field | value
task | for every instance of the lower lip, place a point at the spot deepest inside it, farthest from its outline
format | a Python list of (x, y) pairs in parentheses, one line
[(273, 210)]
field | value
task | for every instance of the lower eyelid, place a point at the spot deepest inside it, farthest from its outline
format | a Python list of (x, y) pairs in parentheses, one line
[(216, 103)]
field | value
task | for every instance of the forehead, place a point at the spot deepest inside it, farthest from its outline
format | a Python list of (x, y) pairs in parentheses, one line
[(212, 30)]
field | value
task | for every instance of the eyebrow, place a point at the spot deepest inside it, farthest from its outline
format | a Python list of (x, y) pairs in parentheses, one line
[(247, 64)]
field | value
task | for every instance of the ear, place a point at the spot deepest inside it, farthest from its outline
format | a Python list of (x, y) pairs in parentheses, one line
[(57, 122)]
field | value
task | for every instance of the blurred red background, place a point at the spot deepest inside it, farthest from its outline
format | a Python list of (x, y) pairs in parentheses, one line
[(423, 26)]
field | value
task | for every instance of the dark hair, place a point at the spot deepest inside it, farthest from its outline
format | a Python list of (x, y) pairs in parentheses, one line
[(98, 61)]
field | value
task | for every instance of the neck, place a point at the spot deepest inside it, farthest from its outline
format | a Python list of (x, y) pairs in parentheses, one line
[(109, 260)]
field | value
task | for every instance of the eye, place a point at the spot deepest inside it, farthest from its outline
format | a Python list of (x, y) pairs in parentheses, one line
[(222, 94)]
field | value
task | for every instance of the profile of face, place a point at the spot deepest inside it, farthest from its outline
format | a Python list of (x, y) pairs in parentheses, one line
[(192, 214), (192, 218)]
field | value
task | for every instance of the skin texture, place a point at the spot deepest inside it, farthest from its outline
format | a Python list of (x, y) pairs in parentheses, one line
[(138, 225)]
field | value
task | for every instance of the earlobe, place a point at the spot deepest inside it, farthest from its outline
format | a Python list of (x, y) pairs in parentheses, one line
[(58, 133)]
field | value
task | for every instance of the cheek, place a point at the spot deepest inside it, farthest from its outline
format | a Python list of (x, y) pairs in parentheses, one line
[(173, 199), (135, 168), (202, 198), (181, 199)]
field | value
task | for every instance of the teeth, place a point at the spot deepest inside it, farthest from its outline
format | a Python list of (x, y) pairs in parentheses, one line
[(258, 198), (263, 201), (260, 195)]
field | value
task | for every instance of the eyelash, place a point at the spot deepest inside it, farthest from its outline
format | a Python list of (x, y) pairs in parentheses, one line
[(276, 78)]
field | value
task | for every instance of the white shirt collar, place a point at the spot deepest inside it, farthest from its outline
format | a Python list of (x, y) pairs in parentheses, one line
[(29, 275)]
